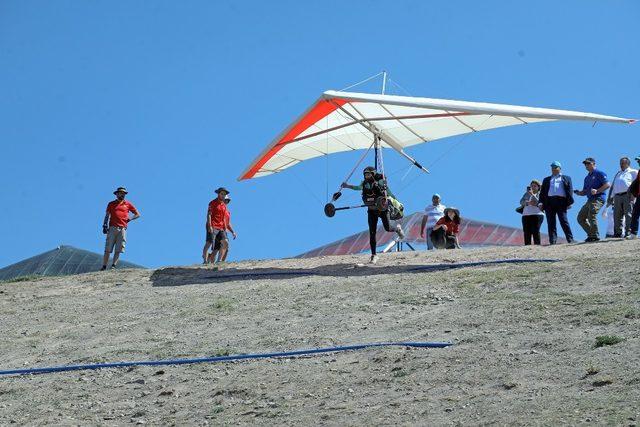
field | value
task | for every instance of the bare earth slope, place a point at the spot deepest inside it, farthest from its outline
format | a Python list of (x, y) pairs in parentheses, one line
[(524, 339)]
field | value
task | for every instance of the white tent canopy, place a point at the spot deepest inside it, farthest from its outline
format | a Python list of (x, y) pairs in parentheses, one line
[(345, 121)]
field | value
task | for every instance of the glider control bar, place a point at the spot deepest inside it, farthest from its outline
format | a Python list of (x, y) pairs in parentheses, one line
[(330, 209)]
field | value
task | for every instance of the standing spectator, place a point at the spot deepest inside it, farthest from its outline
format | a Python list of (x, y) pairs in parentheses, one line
[(556, 196), (595, 184), (532, 216), (621, 199), (216, 222), (222, 256), (445, 232), (634, 190), (607, 214), (115, 226), (432, 214)]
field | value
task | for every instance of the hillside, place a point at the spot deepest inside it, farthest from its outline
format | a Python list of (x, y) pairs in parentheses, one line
[(524, 341)]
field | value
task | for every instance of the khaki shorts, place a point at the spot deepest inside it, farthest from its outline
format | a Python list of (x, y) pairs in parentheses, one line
[(116, 239)]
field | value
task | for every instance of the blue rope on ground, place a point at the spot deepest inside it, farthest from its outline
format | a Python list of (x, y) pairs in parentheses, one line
[(214, 359)]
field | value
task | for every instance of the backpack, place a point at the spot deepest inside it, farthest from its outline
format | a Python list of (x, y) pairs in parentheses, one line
[(396, 209)]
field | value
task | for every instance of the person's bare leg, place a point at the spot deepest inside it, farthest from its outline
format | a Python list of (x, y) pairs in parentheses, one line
[(116, 257), (213, 255), (224, 256), (224, 245), (204, 252), (105, 258)]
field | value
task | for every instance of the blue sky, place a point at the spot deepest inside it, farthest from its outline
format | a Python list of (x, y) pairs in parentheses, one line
[(173, 99)]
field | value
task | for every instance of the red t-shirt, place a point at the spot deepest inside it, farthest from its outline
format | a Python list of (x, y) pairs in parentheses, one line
[(218, 213), (452, 227), (119, 213)]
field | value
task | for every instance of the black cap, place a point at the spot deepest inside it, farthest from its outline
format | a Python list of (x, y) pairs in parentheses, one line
[(222, 189), (121, 189), (589, 160)]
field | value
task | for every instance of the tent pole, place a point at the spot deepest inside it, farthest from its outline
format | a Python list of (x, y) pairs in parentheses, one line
[(384, 81), (376, 148)]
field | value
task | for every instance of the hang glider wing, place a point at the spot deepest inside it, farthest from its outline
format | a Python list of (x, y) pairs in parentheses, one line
[(345, 121)]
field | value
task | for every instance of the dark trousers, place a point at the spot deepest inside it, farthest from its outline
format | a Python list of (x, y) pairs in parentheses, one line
[(557, 206), (372, 217), (442, 240), (635, 217), (531, 228)]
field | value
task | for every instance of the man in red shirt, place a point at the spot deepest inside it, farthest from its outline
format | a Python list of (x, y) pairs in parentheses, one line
[(217, 222), (115, 226), (222, 255)]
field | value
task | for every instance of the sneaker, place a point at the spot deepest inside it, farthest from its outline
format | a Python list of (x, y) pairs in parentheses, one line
[(374, 259), (400, 232), (113, 266), (104, 267), (631, 237)]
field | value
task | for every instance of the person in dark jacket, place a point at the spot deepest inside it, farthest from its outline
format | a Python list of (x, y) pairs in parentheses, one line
[(556, 196), (634, 191), (373, 187)]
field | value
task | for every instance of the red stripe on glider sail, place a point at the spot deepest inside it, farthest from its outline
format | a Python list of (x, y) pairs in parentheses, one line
[(319, 111)]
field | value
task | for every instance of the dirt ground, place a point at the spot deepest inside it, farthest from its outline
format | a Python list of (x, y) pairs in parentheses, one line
[(524, 339)]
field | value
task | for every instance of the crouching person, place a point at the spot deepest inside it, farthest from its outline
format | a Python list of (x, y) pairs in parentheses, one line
[(115, 226), (445, 232)]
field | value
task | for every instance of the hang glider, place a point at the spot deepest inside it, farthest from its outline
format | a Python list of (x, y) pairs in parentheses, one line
[(347, 121)]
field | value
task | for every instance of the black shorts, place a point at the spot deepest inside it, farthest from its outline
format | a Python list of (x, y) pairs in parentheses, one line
[(219, 238), (216, 235)]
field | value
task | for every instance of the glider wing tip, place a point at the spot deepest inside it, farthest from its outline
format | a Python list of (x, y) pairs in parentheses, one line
[(632, 121)]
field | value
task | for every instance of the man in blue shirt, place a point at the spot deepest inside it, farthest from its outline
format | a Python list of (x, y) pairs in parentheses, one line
[(595, 186)]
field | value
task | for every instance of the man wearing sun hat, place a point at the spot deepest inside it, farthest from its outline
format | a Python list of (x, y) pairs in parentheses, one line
[(556, 196), (217, 252), (115, 226), (595, 186), (217, 218)]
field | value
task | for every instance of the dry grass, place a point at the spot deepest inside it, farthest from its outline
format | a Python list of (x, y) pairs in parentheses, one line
[(524, 342)]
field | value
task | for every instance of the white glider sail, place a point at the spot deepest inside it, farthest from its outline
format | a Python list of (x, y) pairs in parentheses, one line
[(345, 121)]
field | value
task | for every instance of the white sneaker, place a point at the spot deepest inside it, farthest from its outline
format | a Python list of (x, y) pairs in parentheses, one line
[(400, 232), (631, 237), (374, 259)]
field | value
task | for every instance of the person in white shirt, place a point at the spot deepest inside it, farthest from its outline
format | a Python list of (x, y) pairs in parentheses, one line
[(607, 214), (432, 214), (620, 198), (532, 216)]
